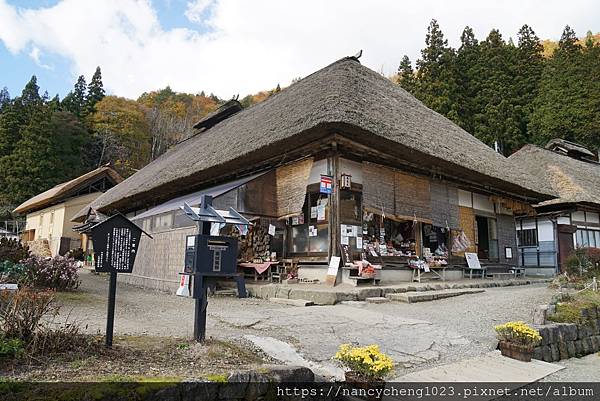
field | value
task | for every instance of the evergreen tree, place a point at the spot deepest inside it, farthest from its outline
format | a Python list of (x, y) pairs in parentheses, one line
[(436, 75), (406, 75), (568, 100), (95, 91), (30, 99), (467, 74), (76, 100), (4, 98)]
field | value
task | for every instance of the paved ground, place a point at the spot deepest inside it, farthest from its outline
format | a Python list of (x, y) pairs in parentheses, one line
[(417, 336)]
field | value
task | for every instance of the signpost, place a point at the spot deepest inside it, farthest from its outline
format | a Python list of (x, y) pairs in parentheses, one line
[(116, 241), (210, 257)]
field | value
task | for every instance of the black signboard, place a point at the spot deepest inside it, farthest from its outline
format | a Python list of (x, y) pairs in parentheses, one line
[(116, 241)]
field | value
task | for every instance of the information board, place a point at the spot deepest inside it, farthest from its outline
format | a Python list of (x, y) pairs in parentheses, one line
[(116, 241)]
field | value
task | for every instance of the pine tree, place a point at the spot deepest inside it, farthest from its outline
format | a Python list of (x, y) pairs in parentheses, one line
[(406, 75), (4, 98), (95, 91), (564, 107), (30, 99), (436, 73), (467, 71), (76, 100)]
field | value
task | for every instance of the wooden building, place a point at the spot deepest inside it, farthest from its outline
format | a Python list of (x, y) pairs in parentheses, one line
[(405, 181), (572, 174), (49, 229)]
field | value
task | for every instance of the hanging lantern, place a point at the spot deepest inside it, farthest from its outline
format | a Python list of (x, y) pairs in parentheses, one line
[(346, 181)]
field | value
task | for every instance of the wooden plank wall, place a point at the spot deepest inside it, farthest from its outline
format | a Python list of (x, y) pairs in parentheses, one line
[(160, 260)]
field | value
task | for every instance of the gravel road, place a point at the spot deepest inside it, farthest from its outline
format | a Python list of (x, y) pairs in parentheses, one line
[(417, 336)]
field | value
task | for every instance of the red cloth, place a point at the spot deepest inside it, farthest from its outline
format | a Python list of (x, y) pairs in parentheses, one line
[(259, 267)]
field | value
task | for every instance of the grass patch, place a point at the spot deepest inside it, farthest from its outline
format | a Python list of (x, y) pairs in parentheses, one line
[(570, 310), (217, 378)]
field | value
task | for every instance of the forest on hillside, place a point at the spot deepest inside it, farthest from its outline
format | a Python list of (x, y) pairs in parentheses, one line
[(506, 94)]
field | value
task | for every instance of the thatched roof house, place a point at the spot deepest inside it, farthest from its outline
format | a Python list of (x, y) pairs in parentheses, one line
[(403, 181), (572, 181), (572, 174), (49, 229), (66, 190), (344, 99)]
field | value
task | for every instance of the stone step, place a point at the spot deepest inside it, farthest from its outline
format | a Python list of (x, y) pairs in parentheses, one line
[(377, 300), (425, 296), (293, 302)]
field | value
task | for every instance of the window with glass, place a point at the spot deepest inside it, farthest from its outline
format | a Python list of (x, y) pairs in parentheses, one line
[(587, 238), (309, 231), (351, 229), (527, 237)]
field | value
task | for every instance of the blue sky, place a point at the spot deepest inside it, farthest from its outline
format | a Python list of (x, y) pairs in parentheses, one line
[(233, 47)]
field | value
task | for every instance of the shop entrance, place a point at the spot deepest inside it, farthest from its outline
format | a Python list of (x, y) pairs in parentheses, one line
[(487, 238)]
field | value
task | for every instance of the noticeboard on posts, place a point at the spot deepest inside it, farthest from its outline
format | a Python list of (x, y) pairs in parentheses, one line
[(116, 241)]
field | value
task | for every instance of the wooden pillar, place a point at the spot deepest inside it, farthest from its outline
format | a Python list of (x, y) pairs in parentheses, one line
[(334, 200)]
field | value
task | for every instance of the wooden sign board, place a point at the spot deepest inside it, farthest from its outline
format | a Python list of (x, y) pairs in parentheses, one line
[(332, 271)]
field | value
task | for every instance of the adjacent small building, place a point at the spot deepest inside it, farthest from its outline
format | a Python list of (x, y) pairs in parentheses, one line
[(342, 162), (572, 174), (49, 229)]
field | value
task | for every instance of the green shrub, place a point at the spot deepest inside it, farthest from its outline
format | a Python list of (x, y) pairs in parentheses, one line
[(12, 250), (11, 348), (569, 311), (11, 272)]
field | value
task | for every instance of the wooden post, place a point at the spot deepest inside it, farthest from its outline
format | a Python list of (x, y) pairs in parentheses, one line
[(110, 318)]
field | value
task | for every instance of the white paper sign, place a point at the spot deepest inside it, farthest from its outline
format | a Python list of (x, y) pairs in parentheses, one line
[(313, 212), (344, 240), (271, 229), (320, 212), (312, 231), (359, 243), (472, 260), (334, 265)]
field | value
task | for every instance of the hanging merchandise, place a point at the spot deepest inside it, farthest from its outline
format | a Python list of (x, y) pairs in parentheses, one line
[(461, 242)]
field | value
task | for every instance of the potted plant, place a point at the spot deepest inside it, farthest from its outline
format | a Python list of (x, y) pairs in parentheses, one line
[(517, 340), (365, 366)]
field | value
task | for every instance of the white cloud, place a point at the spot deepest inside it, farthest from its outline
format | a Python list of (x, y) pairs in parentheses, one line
[(197, 9), (35, 54), (253, 45)]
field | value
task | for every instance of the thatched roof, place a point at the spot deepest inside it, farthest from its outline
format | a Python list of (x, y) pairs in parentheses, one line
[(223, 112), (572, 181), (345, 98), (571, 149), (62, 192)]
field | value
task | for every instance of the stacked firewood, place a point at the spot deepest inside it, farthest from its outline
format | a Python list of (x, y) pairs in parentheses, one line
[(255, 245)]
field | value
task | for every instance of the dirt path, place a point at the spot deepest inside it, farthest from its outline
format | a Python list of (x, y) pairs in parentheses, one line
[(416, 335)]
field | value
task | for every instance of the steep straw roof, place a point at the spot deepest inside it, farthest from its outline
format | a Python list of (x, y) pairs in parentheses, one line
[(570, 180), (65, 190), (344, 98)]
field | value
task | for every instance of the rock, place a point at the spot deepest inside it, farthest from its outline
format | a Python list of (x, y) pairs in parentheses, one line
[(289, 374), (546, 353), (570, 332), (365, 293), (555, 352), (595, 340), (579, 348), (354, 303), (257, 386), (587, 346), (283, 292), (318, 297), (377, 300), (293, 302), (571, 350), (540, 314), (538, 353), (562, 349), (545, 333), (236, 385), (200, 391)]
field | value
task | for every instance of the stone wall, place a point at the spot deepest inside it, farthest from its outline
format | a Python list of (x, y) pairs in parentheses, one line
[(568, 340)]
